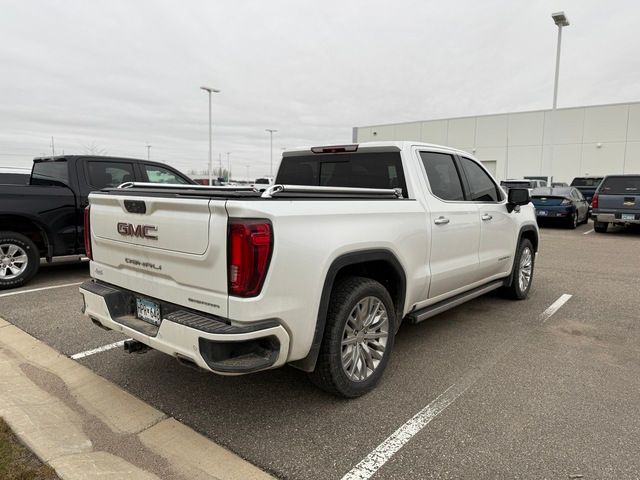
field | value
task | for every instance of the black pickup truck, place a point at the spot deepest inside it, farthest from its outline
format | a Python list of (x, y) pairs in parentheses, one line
[(44, 219), (587, 186)]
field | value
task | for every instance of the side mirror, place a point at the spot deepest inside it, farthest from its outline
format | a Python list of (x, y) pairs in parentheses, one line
[(517, 197)]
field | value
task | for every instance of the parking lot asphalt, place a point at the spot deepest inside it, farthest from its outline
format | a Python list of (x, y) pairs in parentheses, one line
[(539, 396)]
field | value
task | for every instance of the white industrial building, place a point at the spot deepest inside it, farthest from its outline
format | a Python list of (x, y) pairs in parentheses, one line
[(563, 144)]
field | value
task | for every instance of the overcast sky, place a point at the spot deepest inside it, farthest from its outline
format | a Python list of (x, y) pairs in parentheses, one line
[(120, 74)]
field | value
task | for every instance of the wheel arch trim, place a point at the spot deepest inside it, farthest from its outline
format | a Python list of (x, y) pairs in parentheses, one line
[(308, 363), (525, 229)]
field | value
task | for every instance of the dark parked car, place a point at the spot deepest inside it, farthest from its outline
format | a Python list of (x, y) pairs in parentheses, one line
[(616, 202), (45, 218), (564, 205)]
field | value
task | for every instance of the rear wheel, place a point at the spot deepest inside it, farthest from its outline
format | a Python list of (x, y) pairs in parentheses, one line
[(600, 227), (19, 259), (523, 274), (358, 338), (573, 221), (586, 218)]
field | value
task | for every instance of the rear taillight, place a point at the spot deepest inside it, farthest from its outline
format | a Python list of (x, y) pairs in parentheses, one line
[(87, 233), (594, 201), (250, 244), (566, 202)]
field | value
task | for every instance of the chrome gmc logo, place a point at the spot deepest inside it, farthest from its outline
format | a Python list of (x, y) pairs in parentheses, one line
[(140, 231)]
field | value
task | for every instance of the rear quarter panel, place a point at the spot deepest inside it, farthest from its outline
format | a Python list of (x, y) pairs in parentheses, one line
[(308, 236)]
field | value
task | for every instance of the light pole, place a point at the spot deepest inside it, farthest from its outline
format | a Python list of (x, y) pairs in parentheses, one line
[(561, 20), (271, 131), (210, 90), (148, 152), (228, 167)]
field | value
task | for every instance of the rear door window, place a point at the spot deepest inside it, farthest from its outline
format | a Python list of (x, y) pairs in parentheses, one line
[(443, 176), (627, 185), (358, 170), (157, 174), (483, 189), (109, 174)]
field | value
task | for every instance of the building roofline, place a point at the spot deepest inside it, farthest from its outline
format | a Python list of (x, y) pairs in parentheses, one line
[(440, 119)]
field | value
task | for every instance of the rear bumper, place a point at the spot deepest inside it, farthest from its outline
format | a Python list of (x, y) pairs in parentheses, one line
[(208, 342), (554, 213), (614, 218)]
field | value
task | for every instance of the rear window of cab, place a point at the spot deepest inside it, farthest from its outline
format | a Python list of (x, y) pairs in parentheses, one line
[(357, 170), (627, 184)]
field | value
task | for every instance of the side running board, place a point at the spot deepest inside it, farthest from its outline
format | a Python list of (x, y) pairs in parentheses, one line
[(433, 310)]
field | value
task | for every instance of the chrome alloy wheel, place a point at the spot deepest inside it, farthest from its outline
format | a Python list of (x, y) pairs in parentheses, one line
[(364, 338), (526, 269), (13, 261)]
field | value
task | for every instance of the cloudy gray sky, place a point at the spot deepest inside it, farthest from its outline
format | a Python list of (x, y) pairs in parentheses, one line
[(118, 74)]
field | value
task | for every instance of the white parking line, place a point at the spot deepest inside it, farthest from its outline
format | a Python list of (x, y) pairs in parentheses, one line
[(394, 442), (40, 289), (104, 348), (383, 452), (554, 307), (588, 232)]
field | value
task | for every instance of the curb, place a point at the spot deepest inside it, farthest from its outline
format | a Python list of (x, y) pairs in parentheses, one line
[(86, 427)]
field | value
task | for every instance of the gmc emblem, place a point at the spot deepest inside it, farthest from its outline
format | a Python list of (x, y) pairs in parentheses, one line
[(140, 231)]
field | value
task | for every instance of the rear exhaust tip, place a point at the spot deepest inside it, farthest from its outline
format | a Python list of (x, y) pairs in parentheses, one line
[(134, 346)]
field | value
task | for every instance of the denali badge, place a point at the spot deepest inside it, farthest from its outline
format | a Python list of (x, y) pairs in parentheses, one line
[(141, 231), (138, 263)]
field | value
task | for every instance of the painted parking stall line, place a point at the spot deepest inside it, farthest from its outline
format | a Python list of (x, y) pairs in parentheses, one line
[(383, 452), (9, 294), (101, 349), (588, 232), (554, 307), (394, 442)]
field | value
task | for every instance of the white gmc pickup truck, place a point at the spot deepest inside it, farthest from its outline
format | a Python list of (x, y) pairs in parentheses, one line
[(318, 271)]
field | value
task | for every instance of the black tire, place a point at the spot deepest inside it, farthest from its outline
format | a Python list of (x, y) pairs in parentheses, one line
[(330, 374), (515, 290), (600, 227), (573, 221), (586, 219), (24, 244)]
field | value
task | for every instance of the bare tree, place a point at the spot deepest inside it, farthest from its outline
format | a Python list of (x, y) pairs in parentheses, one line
[(93, 149)]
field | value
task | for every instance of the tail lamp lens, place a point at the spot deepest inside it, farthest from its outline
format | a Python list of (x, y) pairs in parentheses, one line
[(594, 201), (250, 244), (87, 232)]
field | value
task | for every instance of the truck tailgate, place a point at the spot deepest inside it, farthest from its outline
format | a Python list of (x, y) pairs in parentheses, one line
[(172, 249), (620, 194)]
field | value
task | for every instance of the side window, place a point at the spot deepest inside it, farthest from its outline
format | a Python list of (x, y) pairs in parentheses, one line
[(483, 189), (443, 175), (157, 174), (109, 174)]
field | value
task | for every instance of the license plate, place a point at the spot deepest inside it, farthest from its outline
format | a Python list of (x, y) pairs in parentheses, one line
[(628, 216), (542, 213), (148, 311)]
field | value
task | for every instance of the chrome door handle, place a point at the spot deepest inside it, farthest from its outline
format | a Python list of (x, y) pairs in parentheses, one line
[(486, 217), (441, 221)]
